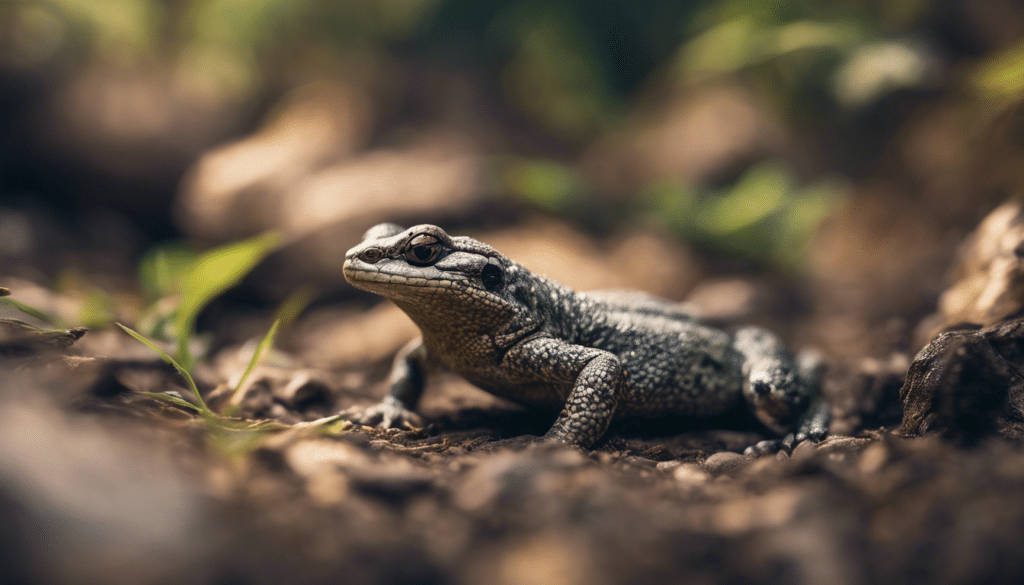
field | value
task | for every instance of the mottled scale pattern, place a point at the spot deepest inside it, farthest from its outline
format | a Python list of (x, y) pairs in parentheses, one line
[(593, 357)]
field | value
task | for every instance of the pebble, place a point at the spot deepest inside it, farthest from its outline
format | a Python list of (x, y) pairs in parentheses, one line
[(690, 473), (668, 466), (723, 461)]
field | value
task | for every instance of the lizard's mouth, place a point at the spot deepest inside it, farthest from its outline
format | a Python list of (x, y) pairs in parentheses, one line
[(377, 278)]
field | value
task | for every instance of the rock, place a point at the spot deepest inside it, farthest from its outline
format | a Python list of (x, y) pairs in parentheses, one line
[(237, 189), (668, 466), (723, 461), (833, 447), (873, 458), (537, 559), (690, 474), (841, 444), (277, 378), (805, 450), (314, 456), (989, 272), (439, 176), (967, 384)]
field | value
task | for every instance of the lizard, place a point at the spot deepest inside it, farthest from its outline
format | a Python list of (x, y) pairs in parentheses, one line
[(594, 356)]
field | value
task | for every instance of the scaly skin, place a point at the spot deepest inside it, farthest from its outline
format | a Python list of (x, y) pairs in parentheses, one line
[(595, 356)]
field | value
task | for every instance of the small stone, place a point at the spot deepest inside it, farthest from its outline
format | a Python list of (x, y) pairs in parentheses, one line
[(805, 450), (873, 458), (842, 444), (668, 466), (690, 473), (723, 461)]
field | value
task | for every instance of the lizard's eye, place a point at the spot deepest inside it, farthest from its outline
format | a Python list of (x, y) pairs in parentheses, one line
[(423, 250), (371, 255), (492, 275)]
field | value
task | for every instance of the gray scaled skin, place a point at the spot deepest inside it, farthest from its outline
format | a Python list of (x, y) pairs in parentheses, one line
[(593, 356)]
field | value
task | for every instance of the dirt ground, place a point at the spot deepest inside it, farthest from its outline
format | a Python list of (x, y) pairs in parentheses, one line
[(847, 175), (101, 484)]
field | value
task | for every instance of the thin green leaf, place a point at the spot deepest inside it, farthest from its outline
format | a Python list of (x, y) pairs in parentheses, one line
[(14, 332), (295, 304), (29, 310), (162, 267), (1001, 76), (210, 275), (171, 399), (257, 355), (330, 425), (266, 426), (184, 373)]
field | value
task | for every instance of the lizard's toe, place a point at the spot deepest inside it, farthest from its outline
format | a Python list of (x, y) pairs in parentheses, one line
[(766, 447), (815, 435), (387, 414), (773, 446)]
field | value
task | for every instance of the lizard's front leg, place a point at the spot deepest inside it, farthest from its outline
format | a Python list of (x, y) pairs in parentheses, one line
[(782, 393), (596, 377), (408, 374)]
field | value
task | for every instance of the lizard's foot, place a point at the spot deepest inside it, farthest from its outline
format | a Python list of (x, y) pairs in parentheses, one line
[(815, 422), (771, 446), (807, 432), (388, 414)]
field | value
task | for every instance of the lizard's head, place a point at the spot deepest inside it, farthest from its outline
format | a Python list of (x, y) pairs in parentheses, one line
[(423, 264)]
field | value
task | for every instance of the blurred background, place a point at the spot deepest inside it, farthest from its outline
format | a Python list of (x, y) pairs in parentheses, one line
[(814, 167), (849, 145)]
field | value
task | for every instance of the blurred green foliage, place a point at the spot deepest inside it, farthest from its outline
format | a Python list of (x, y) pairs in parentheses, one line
[(212, 273), (548, 184), (798, 51), (30, 311), (181, 283), (567, 65), (572, 69), (555, 74), (161, 268), (1001, 76), (765, 215)]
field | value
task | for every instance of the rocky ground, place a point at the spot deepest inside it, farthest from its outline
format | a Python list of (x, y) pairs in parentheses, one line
[(920, 482), (858, 197)]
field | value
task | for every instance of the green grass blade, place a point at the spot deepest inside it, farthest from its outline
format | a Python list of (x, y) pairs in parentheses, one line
[(265, 343), (171, 399), (29, 310), (184, 373), (210, 275), (295, 304), (162, 267)]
